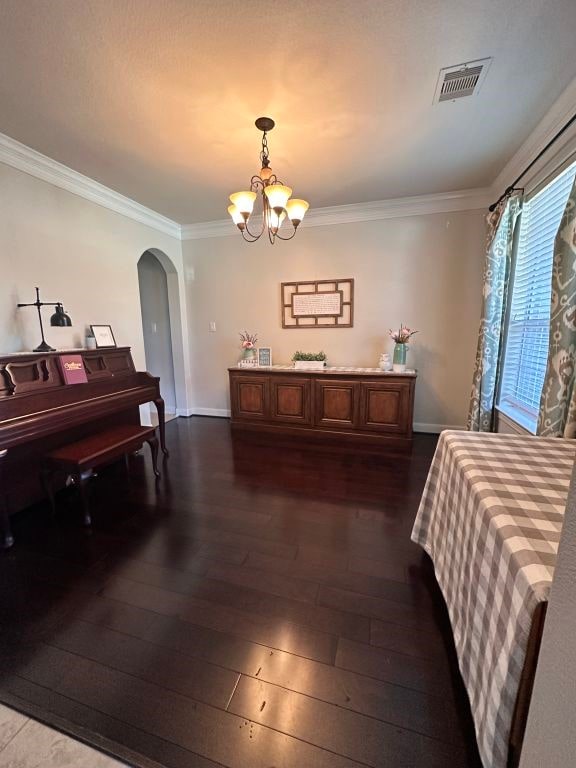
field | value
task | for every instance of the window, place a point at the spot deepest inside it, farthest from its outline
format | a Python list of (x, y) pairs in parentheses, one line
[(526, 347)]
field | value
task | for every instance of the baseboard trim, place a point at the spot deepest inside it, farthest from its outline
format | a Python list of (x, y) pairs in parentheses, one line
[(435, 429), (224, 413), (185, 412)]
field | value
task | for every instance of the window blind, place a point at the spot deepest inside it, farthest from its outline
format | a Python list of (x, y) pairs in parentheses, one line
[(526, 343)]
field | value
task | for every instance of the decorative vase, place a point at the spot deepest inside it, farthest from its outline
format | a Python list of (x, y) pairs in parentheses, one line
[(249, 354), (399, 359)]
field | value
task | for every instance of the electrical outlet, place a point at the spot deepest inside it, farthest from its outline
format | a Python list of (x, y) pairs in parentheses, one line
[(212, 326), (154, 328)]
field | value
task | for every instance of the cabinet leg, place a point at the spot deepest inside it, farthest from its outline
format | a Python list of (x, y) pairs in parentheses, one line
[(159, 403)]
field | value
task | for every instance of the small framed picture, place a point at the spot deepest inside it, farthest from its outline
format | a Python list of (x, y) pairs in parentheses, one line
[(264, 356), (103, 336)]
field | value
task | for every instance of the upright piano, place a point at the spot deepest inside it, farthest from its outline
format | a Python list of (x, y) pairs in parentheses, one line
[(40, 412)]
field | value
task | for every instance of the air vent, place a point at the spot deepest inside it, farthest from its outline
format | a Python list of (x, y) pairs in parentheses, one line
[(461, 81)]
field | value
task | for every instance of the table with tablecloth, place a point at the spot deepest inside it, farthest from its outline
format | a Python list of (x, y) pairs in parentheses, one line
[(490, 519)]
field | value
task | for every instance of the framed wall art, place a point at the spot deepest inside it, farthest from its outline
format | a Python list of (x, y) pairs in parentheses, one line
[(318, 304)]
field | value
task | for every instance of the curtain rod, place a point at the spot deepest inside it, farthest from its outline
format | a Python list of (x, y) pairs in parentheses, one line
[(508, 191)]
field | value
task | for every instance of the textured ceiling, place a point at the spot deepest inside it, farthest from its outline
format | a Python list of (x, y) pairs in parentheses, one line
[(157, 98)]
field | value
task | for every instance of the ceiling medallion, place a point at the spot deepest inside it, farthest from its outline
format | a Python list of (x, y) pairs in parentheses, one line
[(276, 202)]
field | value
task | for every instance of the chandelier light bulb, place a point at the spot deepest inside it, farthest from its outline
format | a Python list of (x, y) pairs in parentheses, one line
[(277, 195), (296, 210), (275, 221), (244, 202), (237, 217)]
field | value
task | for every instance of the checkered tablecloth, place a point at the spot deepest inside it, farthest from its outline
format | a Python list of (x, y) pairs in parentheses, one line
[(490, 519)]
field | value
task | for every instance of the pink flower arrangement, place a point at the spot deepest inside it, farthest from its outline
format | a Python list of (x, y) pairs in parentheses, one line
[(248, 340), (402, 335)]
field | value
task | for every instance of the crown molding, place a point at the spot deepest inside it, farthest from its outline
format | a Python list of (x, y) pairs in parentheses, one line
[(557, 116), (443, 202), (40, 166), (34, 163)]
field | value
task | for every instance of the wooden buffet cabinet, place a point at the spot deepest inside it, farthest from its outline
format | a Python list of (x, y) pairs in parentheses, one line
[(354, 404)]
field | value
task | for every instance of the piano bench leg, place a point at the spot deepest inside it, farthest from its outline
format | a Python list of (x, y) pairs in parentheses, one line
[(81, 480), (6, 537), (153, 443), (49, 490)]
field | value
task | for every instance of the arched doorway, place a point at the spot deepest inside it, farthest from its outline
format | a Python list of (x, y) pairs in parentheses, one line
[(156, 326)]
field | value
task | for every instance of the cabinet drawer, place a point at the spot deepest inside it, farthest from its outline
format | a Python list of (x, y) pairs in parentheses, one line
[(336, 404), (250, 397), (291, 400), (385, 407)]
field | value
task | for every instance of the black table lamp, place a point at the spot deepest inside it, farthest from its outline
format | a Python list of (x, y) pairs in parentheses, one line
[(59, 319)]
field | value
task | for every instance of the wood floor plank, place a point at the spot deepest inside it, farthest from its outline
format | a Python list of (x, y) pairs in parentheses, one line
[(377, 607), (418, 674), (406, 708), (355, 582), (323, 619), (222, 737), (408, 640), (292, 587), (170, 669), (371, 741), (274, 632), (134, 746)]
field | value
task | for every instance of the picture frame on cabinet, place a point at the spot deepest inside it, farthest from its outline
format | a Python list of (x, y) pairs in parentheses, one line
[(264, 357)]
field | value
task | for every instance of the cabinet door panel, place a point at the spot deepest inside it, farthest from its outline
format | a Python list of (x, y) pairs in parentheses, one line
[(336, 403), (291, 400), (385, 406), (250, 397)]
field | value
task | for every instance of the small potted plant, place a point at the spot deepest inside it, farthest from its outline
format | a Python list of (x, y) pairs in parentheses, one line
[(309, 361), (401, 337)]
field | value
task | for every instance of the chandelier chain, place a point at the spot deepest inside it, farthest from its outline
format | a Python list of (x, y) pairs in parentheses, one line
[(265, 155)]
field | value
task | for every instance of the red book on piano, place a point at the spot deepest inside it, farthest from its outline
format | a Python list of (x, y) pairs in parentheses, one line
[(72, 367)]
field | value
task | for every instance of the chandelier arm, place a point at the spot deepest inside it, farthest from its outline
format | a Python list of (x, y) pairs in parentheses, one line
[(287, 238), (255, 183), (251, 239), (252, 234)]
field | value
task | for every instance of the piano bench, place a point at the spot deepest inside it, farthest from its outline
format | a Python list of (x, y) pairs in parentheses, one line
[(81, 458)]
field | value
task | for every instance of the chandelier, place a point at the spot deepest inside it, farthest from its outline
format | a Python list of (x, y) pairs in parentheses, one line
[(276, 202)]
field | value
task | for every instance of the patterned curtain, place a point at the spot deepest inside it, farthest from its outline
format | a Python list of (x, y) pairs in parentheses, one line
[(557, 416), (501, 224)]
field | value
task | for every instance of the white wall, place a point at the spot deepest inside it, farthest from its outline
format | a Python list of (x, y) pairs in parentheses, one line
[(550, 738), (81, 254), (423, 270)]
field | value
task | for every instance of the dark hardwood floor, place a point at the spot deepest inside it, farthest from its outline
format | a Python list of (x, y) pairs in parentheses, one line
[(264, 609)]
